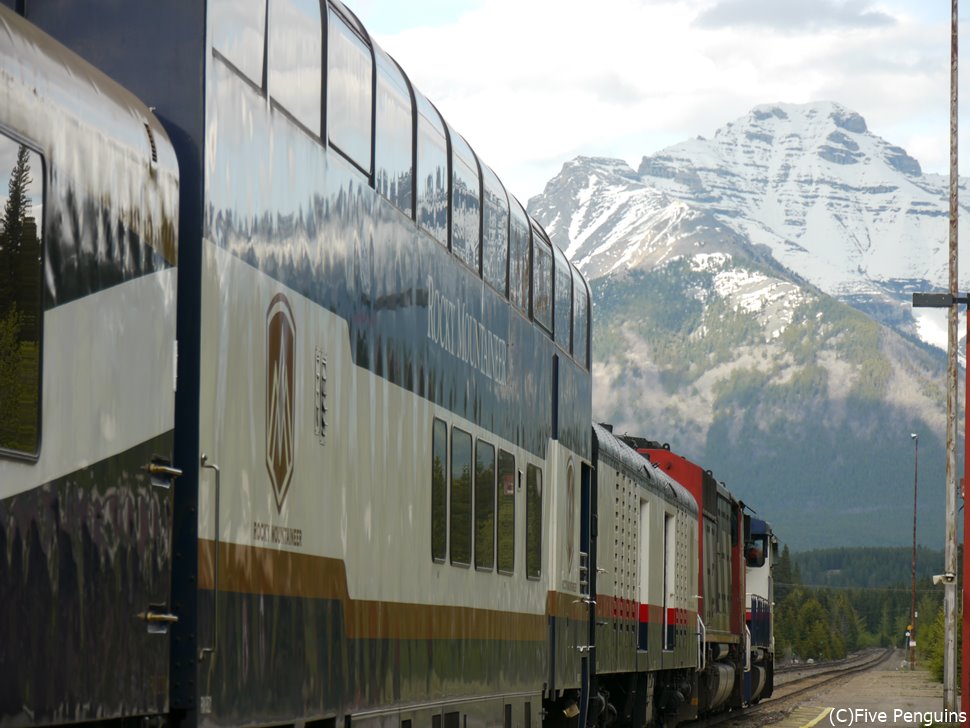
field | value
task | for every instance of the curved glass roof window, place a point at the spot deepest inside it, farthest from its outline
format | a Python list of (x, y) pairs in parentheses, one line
[(466, 209), (393, 140), (495, 232), (237, 28), (564, 300), (349, 97), (520, 257), (541, 278), (295, 51), (432, 172), (580, 319)]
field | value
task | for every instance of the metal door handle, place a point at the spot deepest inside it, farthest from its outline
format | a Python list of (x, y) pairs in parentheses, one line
[(158, 617), (215, 586), (162, 475)]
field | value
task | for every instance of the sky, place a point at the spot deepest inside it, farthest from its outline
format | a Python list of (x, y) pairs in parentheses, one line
[(532, 84)]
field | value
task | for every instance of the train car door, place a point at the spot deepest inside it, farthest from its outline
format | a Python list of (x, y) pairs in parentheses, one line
[(587, 578), (88, 284)]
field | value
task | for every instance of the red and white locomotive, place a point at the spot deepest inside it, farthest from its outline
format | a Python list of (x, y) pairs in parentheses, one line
[(735, 644)]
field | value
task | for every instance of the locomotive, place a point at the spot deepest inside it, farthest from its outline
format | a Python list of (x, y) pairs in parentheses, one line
[(295, 407), (734, 574)]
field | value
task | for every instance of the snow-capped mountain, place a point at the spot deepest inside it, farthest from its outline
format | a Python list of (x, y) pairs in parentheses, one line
[(752, 306), (803, 187)]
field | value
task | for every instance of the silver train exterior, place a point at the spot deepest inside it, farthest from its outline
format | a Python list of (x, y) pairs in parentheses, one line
[(645, 579), (305, 435)]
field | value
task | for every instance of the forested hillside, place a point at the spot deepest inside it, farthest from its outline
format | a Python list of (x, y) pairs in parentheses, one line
[(867, 567), (780, 391), (834, 601)]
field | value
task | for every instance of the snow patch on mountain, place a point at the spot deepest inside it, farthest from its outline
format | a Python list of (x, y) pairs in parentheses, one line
[(803, 188)]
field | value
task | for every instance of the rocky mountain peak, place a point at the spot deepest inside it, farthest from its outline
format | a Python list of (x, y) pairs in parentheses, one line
[(752, 298), (808, 188)]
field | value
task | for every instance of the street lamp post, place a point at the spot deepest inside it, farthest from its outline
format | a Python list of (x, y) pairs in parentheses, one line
[(949, 576), (912, 609)]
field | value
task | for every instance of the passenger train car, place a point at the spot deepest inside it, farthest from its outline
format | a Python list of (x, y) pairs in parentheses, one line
[(295, 403)]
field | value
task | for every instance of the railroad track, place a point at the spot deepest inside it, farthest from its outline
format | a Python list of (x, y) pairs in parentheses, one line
[(799, 683), (794, 673), (795, 682)]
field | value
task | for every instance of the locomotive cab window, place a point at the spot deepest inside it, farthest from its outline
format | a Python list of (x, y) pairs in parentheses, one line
[(21, 313), (294, 72), (349, 94), (755, 550)]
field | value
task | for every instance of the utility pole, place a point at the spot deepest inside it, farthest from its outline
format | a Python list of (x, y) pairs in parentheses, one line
[(950, 550), (912, 609)]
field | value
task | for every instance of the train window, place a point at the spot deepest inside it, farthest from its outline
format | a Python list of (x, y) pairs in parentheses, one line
[(495, 232), (541, 279), (393, 153), (466, 209), (439, 493), (432, 172), (21, 314), (533, 522), (506, 512), (564, 300), (484, 505), (755, 550), (520, 261), (295, 50), (349, 96), (580, 319), (237, 28), (461, 497)]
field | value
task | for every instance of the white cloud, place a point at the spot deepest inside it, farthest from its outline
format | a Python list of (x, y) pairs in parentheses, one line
[(533, 84)]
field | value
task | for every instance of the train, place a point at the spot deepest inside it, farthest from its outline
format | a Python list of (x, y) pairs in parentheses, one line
[(737, 550), (296, 408)]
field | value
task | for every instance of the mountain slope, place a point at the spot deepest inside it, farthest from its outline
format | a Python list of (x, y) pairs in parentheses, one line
[(721, 272)]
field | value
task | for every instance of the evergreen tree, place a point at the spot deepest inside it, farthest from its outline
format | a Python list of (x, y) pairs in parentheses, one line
[(816, 640), (20, 301), (783, 573), (12, 227), (845, 621)]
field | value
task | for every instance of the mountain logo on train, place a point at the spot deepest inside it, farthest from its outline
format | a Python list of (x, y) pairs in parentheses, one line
[(280, 393)]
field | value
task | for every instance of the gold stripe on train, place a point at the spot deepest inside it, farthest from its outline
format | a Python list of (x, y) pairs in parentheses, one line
[(254, 570)]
